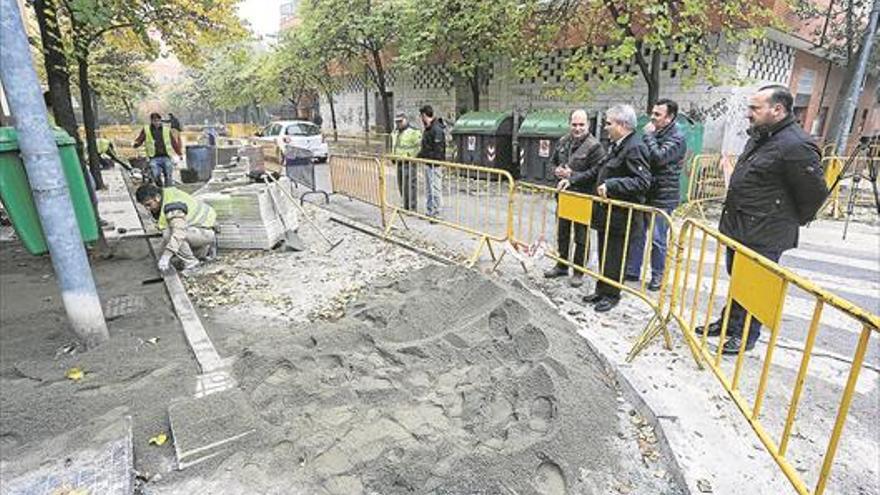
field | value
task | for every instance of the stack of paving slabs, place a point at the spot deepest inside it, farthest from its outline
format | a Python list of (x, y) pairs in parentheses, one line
[(247, 214)]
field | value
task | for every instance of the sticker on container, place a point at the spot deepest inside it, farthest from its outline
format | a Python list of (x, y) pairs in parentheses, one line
[(472, 143), (544, 148)]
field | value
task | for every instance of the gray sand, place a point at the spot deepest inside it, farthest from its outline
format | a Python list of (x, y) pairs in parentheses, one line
[(440, 382)]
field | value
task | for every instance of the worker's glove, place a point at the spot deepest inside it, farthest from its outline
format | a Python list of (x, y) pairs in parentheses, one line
[(165, 263)]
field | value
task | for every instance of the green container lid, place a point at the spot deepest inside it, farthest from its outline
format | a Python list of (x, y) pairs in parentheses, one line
[(9, 138), (480, 122), (546, 123)]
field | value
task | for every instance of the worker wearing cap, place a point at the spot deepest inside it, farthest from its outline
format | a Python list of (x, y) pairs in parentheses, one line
[(187, 225), (406, 143)]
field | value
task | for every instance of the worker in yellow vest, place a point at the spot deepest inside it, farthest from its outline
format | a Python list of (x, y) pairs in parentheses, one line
[(187, 225), (160, 143)]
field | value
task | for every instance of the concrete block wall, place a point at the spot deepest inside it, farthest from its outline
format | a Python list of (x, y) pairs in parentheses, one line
[(720, 108)]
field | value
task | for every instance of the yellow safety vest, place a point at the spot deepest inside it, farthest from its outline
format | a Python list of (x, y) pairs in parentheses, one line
[(103, 144), (150, 144), (198, 213)]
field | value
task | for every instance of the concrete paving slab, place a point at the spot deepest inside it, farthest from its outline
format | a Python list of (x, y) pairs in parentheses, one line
[(95, 459), (205, 427)]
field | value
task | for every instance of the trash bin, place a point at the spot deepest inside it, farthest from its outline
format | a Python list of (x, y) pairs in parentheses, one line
[(484, 138), (538, 135), (15, 191), (693, 133), (200, 162)]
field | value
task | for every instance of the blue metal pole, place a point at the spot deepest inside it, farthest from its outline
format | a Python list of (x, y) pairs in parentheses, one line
[(43, 164)]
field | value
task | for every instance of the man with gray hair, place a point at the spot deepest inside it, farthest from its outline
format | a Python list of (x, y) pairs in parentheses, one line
[(626, 176)]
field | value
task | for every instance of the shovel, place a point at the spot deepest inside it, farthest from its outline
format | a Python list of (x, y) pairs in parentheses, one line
[(305, 215), (292, 242)]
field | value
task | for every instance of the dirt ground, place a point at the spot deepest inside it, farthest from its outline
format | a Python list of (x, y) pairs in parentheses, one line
[(145, 365)]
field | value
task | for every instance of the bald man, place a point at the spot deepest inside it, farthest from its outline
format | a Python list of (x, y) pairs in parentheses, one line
[(577, 153)]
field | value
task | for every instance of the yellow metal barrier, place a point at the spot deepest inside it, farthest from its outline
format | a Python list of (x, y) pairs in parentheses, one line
[(536, 227), (705, 184), (359, 177), (833, 167), (471, 199), (762, 289)]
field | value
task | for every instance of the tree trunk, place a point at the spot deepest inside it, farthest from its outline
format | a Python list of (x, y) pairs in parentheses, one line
[(383, 92), (89, 123), (332, 114), (474, 82), (654, 80), (857, 72), (56, 69)]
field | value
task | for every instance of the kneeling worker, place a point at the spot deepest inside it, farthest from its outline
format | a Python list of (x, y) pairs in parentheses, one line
[(187, 225)]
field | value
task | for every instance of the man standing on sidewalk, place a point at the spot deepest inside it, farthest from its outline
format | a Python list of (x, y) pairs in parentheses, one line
[(159, 141), (433, 148), (405, 143), (777, 185), (626, 176), (578, 152), (666, 151)]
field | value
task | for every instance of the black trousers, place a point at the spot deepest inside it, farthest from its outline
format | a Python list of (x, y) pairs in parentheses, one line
[(563, 240), (612, 256), (737, 313), (407, 184)]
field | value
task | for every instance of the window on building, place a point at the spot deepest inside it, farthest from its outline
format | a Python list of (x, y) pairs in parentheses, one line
[(803, 95), (818, 128)]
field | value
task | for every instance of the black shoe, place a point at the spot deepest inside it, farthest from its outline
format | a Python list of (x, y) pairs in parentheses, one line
[(556, 271), (606, 304), (714, 329), (654, 285), (732, 345), (591, 298), (631, 278)]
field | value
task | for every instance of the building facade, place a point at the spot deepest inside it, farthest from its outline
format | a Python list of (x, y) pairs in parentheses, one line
[(777, 59)]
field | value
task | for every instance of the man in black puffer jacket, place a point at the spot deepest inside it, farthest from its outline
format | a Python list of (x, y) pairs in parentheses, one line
[(666, 151), (777, 185)]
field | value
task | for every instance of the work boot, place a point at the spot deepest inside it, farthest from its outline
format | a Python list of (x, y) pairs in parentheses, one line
[(606, 304), (556, 272), (714, 329), (591, 298), (732, 345), (190, 268), (577, 279)]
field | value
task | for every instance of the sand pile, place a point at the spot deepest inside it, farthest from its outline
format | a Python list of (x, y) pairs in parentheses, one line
[(440, 382)]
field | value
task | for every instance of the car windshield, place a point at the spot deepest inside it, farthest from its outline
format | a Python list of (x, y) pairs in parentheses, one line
[(302, 129)]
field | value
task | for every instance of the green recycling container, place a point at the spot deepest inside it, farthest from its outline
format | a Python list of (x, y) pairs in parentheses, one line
[(15, 191)]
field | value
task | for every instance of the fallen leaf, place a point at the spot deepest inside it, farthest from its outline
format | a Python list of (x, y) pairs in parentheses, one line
[(159, 439), (154, 340), (74, 374)]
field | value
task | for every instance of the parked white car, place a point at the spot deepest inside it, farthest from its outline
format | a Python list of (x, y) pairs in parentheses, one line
[(276, 136)]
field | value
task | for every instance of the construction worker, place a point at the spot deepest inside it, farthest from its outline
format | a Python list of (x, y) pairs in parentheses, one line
[(407, 140), (156, 139), (107, 154), (187, 225)]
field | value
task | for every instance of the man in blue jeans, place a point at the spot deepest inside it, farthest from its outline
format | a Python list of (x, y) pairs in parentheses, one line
[(159, 141), (666, 151)]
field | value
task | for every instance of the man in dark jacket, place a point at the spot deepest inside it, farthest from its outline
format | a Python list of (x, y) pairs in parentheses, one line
[(666, 150), (576, 152), (624, 175), (776, 186), (433, 148)]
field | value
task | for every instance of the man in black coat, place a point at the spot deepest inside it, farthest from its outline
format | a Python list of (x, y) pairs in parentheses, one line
[(433, 148), (666, 151), (777, 185), (624, 175), (576, 152)]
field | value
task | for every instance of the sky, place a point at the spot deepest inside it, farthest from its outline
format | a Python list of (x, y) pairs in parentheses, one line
[(262, 15)]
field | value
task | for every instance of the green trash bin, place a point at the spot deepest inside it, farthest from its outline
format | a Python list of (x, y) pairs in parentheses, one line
[(15, 191), (693, 134), (485, 138)]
